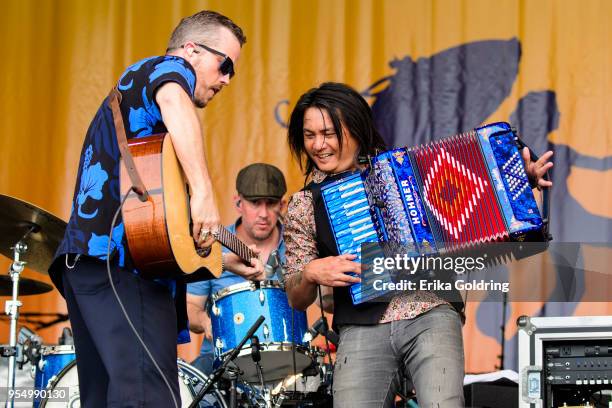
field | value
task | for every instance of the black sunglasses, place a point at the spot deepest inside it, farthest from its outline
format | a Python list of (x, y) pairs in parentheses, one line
[(227, 65)]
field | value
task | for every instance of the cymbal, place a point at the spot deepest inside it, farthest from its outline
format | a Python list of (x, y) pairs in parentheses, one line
[(17, 217), (26, 286)]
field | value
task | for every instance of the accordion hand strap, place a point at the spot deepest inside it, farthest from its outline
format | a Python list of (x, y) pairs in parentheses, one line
[(545, 191)]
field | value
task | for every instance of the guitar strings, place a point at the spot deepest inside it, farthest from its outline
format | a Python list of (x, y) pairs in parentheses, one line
[(232, 242)]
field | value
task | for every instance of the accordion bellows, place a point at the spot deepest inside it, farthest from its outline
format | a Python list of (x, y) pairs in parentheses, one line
[(456, 193)]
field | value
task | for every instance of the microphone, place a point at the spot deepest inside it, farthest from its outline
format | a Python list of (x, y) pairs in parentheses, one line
[(310, 335), (313, 331), (30, 344), (270, 265), (66, 338), (218, 372), (26, 334), (234, 353), (255, 349), (274, 267), (320, 327)]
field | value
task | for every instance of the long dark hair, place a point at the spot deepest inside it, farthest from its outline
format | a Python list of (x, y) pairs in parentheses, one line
[(346, 107)]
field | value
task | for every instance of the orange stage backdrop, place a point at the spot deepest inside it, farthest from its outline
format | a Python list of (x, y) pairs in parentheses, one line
[(61, 57)]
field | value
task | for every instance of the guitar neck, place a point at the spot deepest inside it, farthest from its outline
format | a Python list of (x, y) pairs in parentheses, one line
[(234, 244)]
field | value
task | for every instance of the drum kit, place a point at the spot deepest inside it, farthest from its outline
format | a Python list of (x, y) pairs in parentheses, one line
[(28, 236), (262, 345), (278, 367)]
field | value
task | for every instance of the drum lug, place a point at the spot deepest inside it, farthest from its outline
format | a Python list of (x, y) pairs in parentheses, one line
[(215, 309), (183, 378), (262, 297), (219, 343), (266, 331), (52, 381)]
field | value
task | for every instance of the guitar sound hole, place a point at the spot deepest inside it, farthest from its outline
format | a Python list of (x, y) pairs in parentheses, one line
[(204, 252)]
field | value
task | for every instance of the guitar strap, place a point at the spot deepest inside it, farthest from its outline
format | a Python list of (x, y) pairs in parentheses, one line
[(114, 98)]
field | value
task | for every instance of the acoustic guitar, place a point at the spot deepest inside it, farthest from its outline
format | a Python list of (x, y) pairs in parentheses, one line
[(158, 230)]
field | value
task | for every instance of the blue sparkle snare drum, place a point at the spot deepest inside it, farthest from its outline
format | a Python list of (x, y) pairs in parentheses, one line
[(53, 359), (235, 308)]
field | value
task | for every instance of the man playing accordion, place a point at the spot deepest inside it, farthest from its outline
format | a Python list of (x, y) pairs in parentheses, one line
[(417, 334)]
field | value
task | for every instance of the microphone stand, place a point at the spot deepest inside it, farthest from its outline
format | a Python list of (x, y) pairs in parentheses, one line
[(232, 374), (12, 310), (256, 356), (216, 375), (503, 332)]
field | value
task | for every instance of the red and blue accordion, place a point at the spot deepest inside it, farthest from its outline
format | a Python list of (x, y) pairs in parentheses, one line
[(459, 192)]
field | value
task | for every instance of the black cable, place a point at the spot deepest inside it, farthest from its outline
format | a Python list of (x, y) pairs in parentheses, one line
[(327, 350), (293, 350), (467, 292), (127, 317)]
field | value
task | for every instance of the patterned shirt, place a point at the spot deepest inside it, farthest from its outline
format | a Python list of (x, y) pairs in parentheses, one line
[(301, 247), (96, 194)]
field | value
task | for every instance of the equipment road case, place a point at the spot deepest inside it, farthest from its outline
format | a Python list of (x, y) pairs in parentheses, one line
[(565, 360)]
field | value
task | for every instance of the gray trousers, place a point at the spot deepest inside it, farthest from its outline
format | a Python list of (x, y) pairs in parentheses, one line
[(372, 360)]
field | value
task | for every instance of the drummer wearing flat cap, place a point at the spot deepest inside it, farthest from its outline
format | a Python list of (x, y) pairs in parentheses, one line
[(259, 201)]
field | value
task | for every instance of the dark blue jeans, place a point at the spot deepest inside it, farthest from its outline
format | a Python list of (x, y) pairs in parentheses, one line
[(428, 349), (113, 368)]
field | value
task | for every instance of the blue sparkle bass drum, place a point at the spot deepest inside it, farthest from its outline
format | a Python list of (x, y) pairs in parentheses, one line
[(235, 308), (53, 360)]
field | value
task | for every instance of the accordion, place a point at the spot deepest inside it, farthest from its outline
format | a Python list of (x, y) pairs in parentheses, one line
[(456, 193)]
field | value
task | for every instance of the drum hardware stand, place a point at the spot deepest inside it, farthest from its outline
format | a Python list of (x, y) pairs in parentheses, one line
[(28, 347), (12, 310), (218, 373), (256, 356), (232, 375), (280, 400), (503, 332)]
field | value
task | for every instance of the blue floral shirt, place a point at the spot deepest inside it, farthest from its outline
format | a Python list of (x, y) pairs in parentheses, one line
[(96, 194)]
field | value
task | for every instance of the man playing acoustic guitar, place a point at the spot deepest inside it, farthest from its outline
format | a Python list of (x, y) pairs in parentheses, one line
[(158, 94)]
